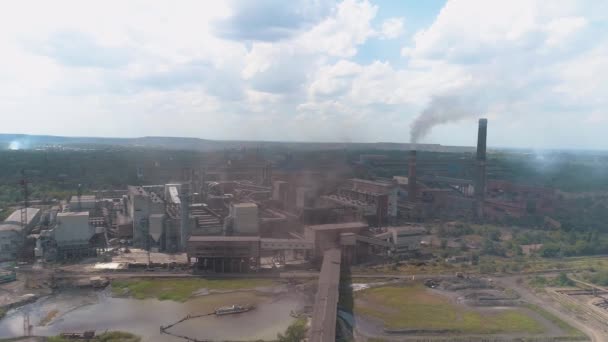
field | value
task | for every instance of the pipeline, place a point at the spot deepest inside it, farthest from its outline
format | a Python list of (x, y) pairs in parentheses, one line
[(187, 317)]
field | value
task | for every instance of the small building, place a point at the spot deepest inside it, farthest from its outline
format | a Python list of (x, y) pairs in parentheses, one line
[(327, 236)]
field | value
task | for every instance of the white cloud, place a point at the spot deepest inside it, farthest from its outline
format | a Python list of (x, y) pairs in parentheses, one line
[(392, 28), (155, 67)]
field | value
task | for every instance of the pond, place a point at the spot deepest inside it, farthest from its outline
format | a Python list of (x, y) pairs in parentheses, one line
[(79, 310)]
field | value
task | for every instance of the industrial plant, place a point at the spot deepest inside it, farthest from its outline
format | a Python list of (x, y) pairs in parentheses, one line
[(248, 213)]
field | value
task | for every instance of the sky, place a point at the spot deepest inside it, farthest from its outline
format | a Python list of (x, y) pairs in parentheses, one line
[(318, 70)]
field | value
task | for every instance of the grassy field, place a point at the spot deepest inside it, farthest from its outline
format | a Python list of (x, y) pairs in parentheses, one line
[(181, 289), (413, 307)]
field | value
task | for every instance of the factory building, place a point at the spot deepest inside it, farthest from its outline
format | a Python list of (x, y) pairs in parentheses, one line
[(376, 200), (404, 240), (245, 219), (140, 205), (82, 203), (224, 253), (72, 234), (12, 232)]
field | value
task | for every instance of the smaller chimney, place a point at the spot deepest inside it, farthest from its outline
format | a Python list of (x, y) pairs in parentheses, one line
[(411, 177)]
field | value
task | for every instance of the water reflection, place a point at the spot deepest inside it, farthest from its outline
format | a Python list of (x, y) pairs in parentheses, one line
[(89, 310)]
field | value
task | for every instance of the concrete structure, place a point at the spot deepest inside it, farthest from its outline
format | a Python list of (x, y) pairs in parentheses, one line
[(280, 190), (12, 233), (245, 218), (304, 197), (327, 236), (84, 202), (73, 229), (224, 253), (156, 227), (325, 308)]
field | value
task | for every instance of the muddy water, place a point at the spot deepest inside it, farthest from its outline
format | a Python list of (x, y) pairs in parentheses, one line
[(89, 310)]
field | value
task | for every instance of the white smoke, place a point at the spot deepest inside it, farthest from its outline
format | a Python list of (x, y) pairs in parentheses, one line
[(440, 110), (14, 145)]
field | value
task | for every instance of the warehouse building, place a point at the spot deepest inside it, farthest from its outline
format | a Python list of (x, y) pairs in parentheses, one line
[(12, 233)]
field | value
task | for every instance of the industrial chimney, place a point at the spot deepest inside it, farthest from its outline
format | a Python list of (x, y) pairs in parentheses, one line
[(411, 177), (480, 178)]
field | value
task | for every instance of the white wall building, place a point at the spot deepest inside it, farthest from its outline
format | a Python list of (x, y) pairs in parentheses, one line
[(73, 229)]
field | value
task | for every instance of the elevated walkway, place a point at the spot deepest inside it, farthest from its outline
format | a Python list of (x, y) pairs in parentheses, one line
[(325, 309)]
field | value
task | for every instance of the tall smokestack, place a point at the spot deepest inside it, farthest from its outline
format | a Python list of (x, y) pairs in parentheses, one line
[(480, 179), (411, 177)]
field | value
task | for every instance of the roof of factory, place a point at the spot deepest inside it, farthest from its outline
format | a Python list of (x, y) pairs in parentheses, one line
[(73, 213), (10, 226), (15, 217), (83, 198), (198, 238), (379, 182), (245, 205), (137, 190), (339, 226), (409, 230)]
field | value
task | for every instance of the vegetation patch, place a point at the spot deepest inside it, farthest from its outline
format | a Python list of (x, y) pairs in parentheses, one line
[(413, 307), (556, 320), (561, 280), (110, 336), (296, 332), (180, 290)]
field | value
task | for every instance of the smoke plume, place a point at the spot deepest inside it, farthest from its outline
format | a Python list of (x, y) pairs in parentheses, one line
[(442, 109)]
